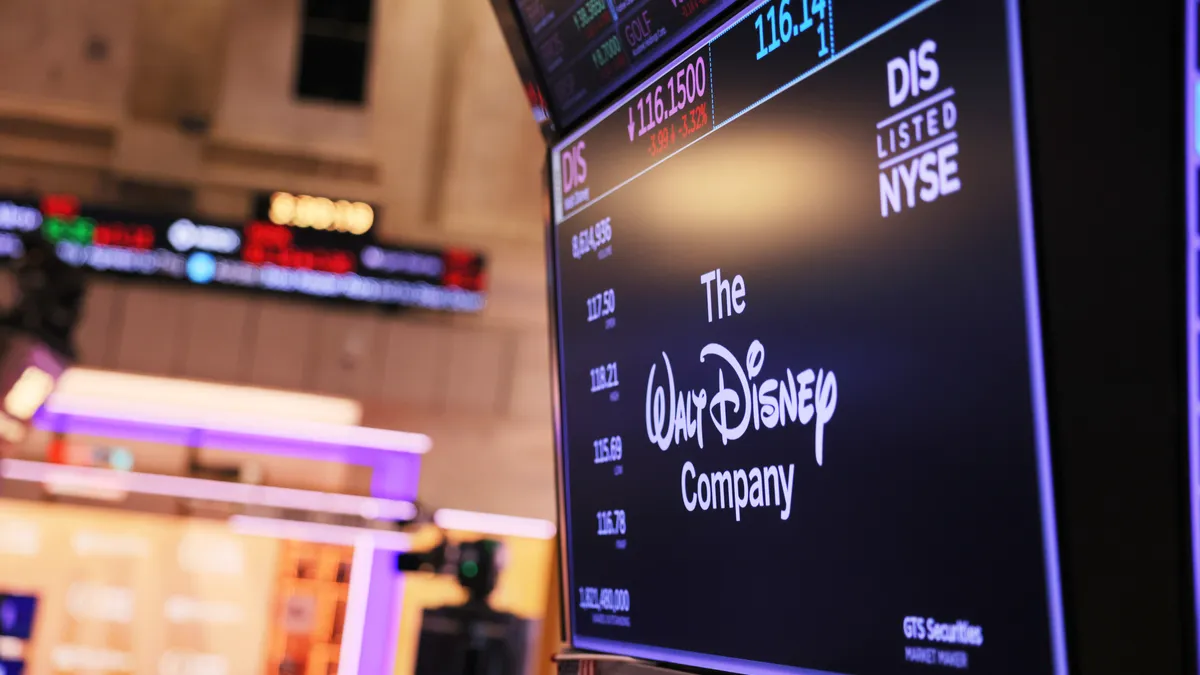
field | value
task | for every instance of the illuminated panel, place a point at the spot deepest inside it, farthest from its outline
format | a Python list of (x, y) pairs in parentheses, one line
[(494, 524), (28, 393), (107, 392), (318, 213), (299, 245), (28, 373)]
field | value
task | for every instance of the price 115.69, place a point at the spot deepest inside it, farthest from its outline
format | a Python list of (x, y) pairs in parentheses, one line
[(607, 449)]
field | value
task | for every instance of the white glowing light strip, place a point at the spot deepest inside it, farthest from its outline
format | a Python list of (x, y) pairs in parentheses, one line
[(76, 478), (139, 392), (291, 430), (11, 648), (355, 622), (494, 524), (319, 533)]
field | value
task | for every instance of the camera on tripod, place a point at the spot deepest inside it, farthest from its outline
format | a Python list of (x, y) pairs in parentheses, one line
[(36, 335), (471, 638)]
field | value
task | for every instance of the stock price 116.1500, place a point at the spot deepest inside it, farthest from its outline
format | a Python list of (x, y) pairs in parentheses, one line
[(656, 106)]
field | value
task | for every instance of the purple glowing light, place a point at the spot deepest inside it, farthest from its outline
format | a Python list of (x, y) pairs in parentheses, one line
[(1191, 167), (1033, 321), (381, 440), (182, 487), (396, 470)]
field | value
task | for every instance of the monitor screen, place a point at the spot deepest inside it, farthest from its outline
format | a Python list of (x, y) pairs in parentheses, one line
[(16, 615), (587, 49), (799, 365)]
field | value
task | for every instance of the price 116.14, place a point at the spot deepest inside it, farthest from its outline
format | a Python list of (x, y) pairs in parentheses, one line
[(776, 26)]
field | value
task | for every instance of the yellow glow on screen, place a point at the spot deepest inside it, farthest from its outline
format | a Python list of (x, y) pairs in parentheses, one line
[(29, 393), (321, 213)]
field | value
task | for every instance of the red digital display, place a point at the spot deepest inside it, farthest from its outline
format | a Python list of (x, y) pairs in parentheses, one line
[(680, 129), (315, 251), (140, 237), (274, 245), (60, 206), (464, 269)]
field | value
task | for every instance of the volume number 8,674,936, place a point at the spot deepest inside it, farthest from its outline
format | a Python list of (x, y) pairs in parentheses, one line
[(593, 238)]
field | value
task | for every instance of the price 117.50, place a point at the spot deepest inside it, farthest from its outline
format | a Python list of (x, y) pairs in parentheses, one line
[(601, 305)]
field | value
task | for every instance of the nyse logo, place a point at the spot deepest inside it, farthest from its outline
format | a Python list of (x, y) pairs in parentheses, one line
[(917, 147)]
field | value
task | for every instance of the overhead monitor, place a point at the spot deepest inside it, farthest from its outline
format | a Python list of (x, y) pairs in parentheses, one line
[(799, 369), (585, 50)]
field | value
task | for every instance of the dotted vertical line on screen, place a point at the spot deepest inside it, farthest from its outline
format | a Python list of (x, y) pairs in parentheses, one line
[(712, 90), (832, 41)]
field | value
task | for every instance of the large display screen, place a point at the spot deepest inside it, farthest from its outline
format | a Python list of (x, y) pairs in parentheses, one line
[(801, 394), (295, 245), (89, 590), (587, 49)]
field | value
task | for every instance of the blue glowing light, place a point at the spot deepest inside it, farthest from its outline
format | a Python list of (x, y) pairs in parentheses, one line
[(201, 267), (120, 459)]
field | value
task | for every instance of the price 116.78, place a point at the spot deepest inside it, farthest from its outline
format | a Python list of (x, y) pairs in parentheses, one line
[(777, 26), (611, 522)]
